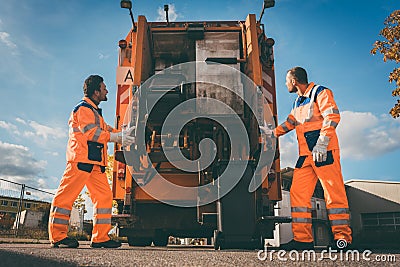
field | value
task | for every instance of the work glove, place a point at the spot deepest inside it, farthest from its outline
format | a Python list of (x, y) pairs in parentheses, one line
[(123, 137), (267, 130), (127, 139), (319, 151)]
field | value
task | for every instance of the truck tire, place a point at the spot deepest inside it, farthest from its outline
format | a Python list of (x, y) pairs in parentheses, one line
[(139, 241), (161, 239)]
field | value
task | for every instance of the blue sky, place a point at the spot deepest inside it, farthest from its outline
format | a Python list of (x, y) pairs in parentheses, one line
[(48, 48)]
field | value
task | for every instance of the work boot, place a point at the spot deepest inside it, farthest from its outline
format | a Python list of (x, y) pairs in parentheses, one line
[(66, 243), (107, 244), (296, 245)]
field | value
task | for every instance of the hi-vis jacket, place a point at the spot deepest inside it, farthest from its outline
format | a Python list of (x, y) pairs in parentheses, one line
[(88, 134), (313, 114)]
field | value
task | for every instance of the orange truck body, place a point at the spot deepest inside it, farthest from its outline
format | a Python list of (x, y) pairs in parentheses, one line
[(153, 47)]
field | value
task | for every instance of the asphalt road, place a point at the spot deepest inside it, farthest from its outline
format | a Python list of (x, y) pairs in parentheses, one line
[(28, 255)]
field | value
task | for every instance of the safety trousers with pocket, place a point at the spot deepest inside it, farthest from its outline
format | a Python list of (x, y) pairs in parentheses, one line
[(305, 177), (75, 177)]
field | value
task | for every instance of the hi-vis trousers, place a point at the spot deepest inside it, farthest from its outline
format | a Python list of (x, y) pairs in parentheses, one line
[(305, 177), (74, 179)]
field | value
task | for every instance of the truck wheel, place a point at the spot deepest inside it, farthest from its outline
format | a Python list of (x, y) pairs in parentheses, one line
[(161, 241), (139, 241), (160, 238)]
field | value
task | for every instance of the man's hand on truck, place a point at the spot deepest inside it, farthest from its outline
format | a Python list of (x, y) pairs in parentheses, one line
[(127, 139), (267, 130), (124, 137)]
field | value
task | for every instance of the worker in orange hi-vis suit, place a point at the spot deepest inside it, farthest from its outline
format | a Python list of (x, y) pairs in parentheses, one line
[(315, 117), (86, 163)]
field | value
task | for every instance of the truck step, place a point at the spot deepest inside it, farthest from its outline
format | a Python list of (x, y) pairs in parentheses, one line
[(275, 219)]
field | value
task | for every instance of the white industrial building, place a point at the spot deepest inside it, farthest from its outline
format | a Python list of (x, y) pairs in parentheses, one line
[(375, 212)]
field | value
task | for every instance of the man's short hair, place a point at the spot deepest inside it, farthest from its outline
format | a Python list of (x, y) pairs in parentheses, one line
[(299, 74), (91, 84)]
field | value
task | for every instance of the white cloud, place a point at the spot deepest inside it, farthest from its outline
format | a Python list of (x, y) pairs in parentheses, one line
[(9, 127), (172, 14), (28, 134), (35, 130), (46, 132), (288, 150), (102, 56), (20, 121), (41, 182), (5, 39), (18, 164), (54, 154), (363, 135)]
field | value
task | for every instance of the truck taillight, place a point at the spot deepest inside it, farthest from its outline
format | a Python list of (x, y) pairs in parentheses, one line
[(121, 171), (128, 190)]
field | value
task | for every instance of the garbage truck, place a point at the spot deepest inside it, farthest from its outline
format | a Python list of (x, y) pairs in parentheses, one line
[(197, 93)]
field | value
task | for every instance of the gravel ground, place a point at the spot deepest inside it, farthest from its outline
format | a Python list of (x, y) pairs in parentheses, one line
[(40, 254)]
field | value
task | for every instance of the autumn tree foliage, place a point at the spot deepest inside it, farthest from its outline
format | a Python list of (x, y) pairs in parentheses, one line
[(79, 202), (389, 47)]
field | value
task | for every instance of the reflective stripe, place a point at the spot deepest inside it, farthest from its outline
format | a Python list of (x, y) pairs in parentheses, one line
[(88, 127), (295, 108), (338, 211), (96, 123), (333, 124), (312, 100), (109, 128), (301, 209), (330, 123), (96, 117), (97, 134), (61, 210), (59, 221), (102, 211), (285, 128), (102, 221), (291, 122), (310, 112), (330, 111), (340, 222), (75, 130), (301, 220)]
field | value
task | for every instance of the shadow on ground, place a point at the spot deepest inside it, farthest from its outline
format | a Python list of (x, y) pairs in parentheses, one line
[(11, 259)]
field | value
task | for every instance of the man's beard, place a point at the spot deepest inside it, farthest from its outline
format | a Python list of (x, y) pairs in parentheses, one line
[(293, 90)]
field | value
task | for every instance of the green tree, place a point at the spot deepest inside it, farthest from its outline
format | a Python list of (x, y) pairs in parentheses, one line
[(79, 201), (389, 47)]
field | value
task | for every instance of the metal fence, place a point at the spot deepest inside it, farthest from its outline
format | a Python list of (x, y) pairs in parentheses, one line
[(16, 200)]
